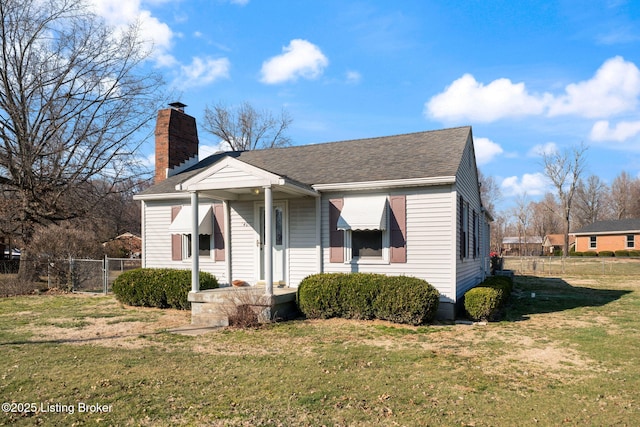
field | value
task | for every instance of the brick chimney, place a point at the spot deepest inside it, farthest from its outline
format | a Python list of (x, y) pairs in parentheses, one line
[(176, 141)]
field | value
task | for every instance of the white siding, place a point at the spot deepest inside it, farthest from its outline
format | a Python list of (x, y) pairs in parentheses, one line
[(429, 235), (470, 269), (302, 239), (157, 240), (243, 242)]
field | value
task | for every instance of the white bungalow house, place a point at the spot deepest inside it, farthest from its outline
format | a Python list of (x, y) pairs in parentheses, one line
[(398, 205)]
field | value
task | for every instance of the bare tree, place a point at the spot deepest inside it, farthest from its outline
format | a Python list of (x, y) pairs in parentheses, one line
[(489, 192), (590, 197), (72, 103), (245, 128), (620, 197), (564, 170)]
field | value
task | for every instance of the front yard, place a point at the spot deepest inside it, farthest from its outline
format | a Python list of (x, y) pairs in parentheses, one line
[(568, 356)]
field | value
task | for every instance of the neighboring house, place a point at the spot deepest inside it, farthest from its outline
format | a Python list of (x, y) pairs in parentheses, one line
[(398, 205), (610, 235), (126, 245), (522, 246), (554, 243)]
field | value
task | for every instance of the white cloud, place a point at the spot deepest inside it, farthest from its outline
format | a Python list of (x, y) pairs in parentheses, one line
[(466, 98), (202, 71), (300, 59), (353, 77), (486, 150), (601, 131), (120, 14), (540, 150), (613, 89), (534, 184)]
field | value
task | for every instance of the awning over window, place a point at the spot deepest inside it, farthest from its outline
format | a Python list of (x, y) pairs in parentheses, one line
[(182, 223), (363, 213)]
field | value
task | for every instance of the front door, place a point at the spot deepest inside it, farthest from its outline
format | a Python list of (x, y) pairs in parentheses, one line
[(278, 240)]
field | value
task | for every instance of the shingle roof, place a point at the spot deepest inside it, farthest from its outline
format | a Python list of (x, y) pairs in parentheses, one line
[(611, 226), (414, 155)]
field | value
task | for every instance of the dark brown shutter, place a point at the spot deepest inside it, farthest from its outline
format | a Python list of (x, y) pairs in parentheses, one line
[(176, 239), (336, 237), (461, 228), (218, 232), (398, 229)]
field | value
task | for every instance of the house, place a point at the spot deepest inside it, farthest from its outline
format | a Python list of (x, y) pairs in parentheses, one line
[(612, 235), (521, 246), (399, 205), (554, 243), (125, 245)]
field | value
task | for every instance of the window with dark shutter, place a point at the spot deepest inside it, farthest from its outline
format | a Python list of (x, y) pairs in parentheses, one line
[(218, 232)]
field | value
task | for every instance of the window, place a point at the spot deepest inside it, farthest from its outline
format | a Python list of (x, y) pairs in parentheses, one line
[(368, 229), (204, 245), (366, 243), (631, 241), (592, 242)]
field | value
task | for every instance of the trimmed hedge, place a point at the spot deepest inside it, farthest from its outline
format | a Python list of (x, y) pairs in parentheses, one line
[(622, 253), (485, 301), (633, 252), (590, 253), (158, 287), (399, 299), (605, 253)]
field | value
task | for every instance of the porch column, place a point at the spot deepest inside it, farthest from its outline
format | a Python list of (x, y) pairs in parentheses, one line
[(268, 244), (227, 241), (195, 249)]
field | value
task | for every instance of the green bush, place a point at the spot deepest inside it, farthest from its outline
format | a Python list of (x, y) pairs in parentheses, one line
[(622, 253), (485, 301), (403, 299), (634, 253), (605, 253), (399, 299), (158, 287), (590, 253), (481, 303), (576, 253)]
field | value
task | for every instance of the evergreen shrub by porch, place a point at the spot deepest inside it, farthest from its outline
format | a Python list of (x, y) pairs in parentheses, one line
[(485, 301), (622, 253), (605, 253), (158, 287), (400, 299)]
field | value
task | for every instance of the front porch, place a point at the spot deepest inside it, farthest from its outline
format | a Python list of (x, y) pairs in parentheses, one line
[(214, 307)]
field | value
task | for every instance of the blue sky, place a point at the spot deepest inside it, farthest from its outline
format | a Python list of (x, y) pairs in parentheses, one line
[(528, 76)]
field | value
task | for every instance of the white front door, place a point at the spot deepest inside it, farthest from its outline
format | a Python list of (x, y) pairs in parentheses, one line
[(278, 240)]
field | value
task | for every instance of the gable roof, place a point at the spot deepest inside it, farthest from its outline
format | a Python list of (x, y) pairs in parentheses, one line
[(415, 155), (557, 239), (611, 227)]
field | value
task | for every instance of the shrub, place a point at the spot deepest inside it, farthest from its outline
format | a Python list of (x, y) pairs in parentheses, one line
[(399, 299), (634, 253), (590, 253), (484, 301), (622, 253), (403, 299), (481, 303), (158, 287), (576, 254), (605, 253)]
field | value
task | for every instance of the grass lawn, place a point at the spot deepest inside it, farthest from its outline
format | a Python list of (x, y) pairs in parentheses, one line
[(568, 356)]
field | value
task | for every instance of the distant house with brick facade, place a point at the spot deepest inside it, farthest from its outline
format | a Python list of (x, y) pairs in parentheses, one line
[(613, 235)]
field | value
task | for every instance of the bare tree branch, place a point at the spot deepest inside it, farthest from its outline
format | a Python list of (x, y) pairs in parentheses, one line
[(245, 128)]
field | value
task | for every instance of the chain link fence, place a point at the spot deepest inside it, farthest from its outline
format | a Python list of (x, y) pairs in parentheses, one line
[(554, 266), (85, 275)]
